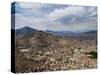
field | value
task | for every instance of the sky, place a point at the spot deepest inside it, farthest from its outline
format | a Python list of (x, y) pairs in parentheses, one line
[(55, 17)]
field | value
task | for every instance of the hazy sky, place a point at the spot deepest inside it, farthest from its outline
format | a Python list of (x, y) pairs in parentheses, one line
[(55, 17)]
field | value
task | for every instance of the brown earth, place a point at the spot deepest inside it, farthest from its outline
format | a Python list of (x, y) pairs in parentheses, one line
[(46, 52)]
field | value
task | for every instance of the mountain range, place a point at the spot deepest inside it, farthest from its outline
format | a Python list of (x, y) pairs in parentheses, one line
[(24, 31)]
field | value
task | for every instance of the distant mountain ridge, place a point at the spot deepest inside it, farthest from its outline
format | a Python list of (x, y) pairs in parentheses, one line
[(24, 31), (61, 33), (69, 33), (93, 31)]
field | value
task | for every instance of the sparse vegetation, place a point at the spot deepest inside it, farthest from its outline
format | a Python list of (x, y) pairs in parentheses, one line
[(92, 54), (49, 53)]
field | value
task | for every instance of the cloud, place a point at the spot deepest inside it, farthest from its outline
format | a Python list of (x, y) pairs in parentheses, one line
[(56, 17), (71, 10), (73, 13), (26, 5)]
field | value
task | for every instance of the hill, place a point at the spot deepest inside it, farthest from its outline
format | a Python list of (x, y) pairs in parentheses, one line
[(25, 31)]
